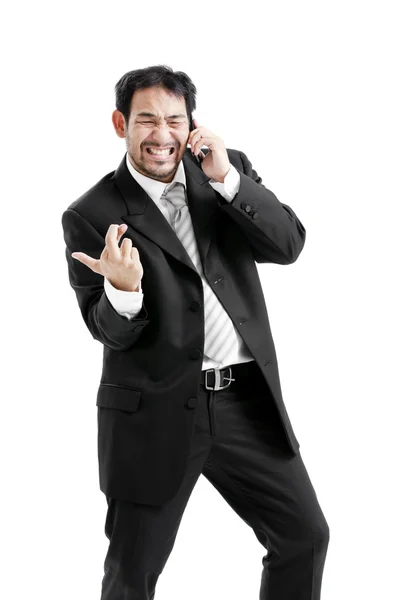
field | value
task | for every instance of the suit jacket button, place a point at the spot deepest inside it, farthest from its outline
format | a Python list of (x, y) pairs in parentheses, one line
[(195, 354), (192, 403), (195, 306), (247, 208), (255, 215)]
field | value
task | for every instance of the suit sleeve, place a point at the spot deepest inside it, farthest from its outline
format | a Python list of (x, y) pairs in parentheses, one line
[(104, 323), (273, 230)]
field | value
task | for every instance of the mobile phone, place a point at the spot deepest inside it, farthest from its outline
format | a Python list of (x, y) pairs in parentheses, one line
[(191, 127)]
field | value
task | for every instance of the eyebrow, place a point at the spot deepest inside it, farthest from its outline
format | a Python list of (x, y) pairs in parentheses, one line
[(145, 113)]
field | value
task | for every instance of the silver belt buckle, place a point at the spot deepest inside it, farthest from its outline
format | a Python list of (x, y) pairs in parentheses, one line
[(218, 385)]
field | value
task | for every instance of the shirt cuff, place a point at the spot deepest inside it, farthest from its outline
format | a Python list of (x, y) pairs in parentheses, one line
[(230, 186), (127, 304)]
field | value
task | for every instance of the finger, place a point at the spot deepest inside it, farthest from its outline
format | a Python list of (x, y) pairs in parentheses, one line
[(201, 140), (192, 143), (87, 260), (195, 137), (126, 247), (111, 240), (121, 230), (196, 147), (134, 252), (191, 135)]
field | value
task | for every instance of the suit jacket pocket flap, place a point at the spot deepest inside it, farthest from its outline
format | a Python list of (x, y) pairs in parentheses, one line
[(115, 396)]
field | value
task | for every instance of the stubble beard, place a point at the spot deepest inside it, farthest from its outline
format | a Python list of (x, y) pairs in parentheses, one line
[(142, 165)]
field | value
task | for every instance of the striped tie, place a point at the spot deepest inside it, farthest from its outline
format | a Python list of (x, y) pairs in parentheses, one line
[(219, 331)]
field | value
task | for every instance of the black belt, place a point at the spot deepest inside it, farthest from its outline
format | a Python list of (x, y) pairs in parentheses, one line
[(219, 379)]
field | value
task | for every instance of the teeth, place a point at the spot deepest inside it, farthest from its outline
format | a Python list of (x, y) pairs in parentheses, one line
[(160, 152)]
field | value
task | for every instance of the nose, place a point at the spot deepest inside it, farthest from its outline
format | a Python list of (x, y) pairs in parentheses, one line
[(162, 136)]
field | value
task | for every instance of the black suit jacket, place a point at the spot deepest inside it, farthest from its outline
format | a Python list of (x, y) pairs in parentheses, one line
[(152, 364)]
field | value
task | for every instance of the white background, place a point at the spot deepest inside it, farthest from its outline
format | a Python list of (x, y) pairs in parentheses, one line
[(309, 91)]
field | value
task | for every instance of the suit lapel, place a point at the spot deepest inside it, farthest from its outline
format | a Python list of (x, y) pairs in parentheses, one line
[(145, 217)]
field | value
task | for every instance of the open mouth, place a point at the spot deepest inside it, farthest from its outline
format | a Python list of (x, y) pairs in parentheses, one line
[(164, 154)]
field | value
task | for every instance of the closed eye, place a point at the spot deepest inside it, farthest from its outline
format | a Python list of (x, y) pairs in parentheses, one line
[(172, 122)]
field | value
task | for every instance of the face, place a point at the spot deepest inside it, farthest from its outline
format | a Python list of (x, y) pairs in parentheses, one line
[(157, 120)]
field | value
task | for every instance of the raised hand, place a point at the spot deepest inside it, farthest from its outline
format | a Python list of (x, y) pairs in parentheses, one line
[(119, 264)]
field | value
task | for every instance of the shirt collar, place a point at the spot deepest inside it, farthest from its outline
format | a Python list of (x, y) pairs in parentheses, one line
[(153, 187)]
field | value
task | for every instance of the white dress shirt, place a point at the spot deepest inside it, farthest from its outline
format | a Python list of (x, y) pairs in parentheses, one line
[(129, 304)]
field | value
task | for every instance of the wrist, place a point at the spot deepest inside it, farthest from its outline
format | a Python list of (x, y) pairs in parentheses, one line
[(124, 288), (222, 179)]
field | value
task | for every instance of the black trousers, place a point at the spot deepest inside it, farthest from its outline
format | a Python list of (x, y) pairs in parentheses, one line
[(239, 445)]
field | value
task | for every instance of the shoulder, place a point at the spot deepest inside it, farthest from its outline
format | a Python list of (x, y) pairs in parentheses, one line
[(104, 186)]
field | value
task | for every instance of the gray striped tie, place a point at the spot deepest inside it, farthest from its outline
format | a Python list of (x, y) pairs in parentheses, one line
[(220, 334)]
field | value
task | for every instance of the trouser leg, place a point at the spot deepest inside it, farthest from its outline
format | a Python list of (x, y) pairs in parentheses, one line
[(142, 536), (253, 468)]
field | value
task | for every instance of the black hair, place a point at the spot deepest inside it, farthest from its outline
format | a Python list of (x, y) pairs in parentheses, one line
[(163, 76)]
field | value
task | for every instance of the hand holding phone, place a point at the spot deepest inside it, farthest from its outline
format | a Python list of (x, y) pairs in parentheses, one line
[(214, 158)]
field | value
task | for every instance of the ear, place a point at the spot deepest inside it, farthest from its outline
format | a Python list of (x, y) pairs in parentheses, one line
[(118, 121)]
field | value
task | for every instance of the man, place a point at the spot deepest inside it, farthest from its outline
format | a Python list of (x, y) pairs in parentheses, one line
[(190, 381)]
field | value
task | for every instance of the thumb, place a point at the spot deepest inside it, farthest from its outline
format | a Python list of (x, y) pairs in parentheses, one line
[(87, 260)]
